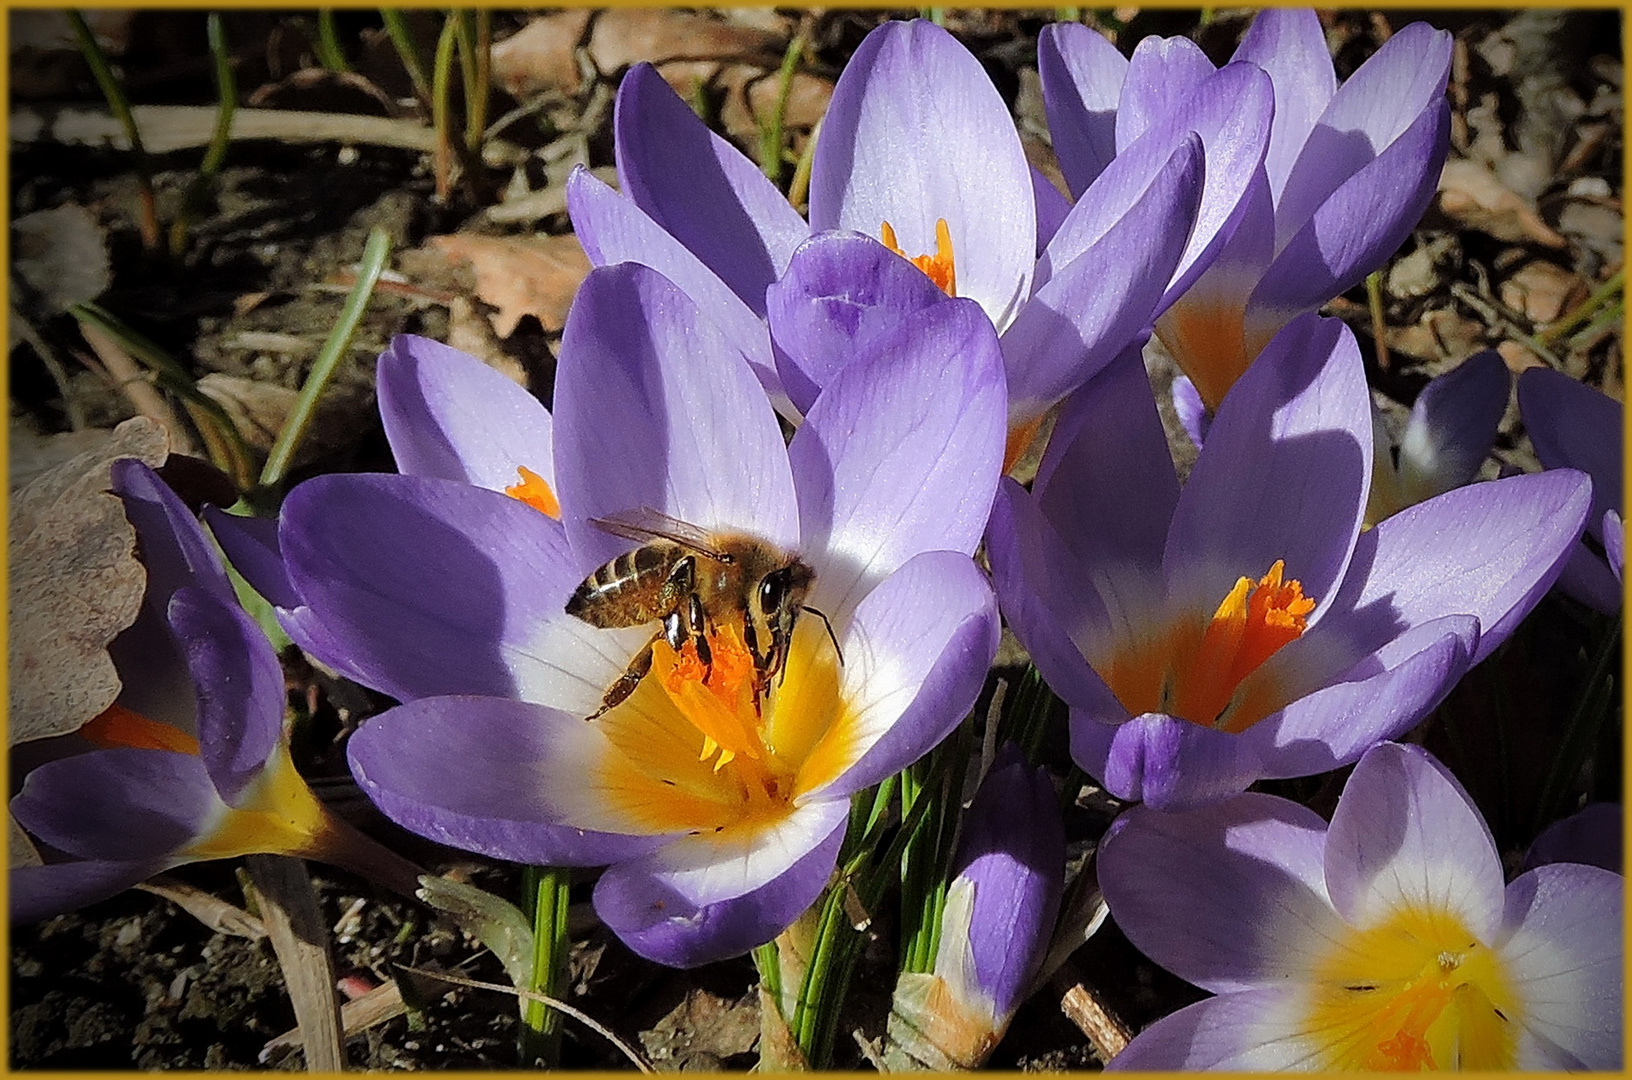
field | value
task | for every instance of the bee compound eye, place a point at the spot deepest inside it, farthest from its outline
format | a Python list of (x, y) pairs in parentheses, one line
[(771, 592)]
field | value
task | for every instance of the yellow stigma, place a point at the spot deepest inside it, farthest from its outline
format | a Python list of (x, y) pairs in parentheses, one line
[(1198, 670), (533, 491), (689, 751), (938, 267), (1417, 992)]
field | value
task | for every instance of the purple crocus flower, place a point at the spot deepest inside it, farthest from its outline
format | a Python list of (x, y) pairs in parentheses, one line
[(1384, 941), (720, 818), (1591, 835), (1348, 172), (918, 157), (192, 764), (1004, 896), (1245, 627), (1571, 425), (1448, 434)]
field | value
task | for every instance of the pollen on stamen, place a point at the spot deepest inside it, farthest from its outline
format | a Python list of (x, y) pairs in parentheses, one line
[(940, 267), (533, 491)]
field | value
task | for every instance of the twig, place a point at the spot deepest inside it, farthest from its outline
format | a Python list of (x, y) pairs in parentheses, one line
[(166, 128), (212, 911), (555, 1003), (1080, 1006), (380, 1004), (131, 381), (300, 938), (53, 364)]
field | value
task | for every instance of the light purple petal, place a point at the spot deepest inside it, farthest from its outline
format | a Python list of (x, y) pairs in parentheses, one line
[(1589, 579), (486, 775), (1293, 433), (1575, 426), (251, 546), (1167, 763), (1094, 304), (1052, 207), (122, 804), (902, 451), (1106, 482), (1227, 897), (1260, 1030), (170, 542), (655, 407), (1489, 550), (1383, 697), (1592, 836), (841, 292), (1390, 94), (725, 210), (1012, 849), (1082, 75), (449, 415), (916, 132), (1563, 950), (1161, 76), (1289, 44), (1405, 835), (38, 892), (1191, 410), (1043, 598), (649, 904), (613, 230), (240, 688), (1364, 220), (1453, 425), (915, 656), (419, 587)]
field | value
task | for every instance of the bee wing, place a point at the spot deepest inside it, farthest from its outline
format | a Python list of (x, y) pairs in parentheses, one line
[(645, 524)]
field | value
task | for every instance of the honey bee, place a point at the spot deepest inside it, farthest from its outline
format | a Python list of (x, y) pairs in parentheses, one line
[(686, 578)]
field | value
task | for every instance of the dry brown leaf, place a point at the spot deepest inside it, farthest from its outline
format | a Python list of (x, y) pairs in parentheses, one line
[(539, 56), (60, 257), (75, 583), (1472, 195), (1542, 290), (294, 922), (259, 411), (20, 850), (517, 275)]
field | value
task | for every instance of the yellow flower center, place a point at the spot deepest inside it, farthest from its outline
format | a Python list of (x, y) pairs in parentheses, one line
[(533, 491), (938, 267), (1199, 670), (278, 813), (690, 751), (1417, 992)]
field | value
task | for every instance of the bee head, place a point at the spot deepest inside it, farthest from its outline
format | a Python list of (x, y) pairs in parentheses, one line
[(777, 601)]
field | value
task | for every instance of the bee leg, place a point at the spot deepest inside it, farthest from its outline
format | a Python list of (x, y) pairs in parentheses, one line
[(699, 634), (626, 683)]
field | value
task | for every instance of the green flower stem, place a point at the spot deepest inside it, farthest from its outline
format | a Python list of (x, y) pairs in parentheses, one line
[(402, 39), (441, 109), (119, 105), (770, 135), (1379, 325), (329, 52), (799, 186), (475, 64), (226, 94), (541, 1025), (375, 253)]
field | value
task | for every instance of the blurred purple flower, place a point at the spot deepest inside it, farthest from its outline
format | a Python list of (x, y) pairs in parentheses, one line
[(721, 825), (1592, 835), (1449, 432), (1348, 171), (919, 157), (193, 763), (1573, 426), (1245, 627), (1386, 941)]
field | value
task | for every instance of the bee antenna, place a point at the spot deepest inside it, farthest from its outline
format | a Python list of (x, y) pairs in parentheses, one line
[(831, 636)]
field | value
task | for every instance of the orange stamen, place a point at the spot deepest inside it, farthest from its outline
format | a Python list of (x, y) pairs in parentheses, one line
[(533, 491), (1251, 624), (117, 726), (939, 267), (718, 699)]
